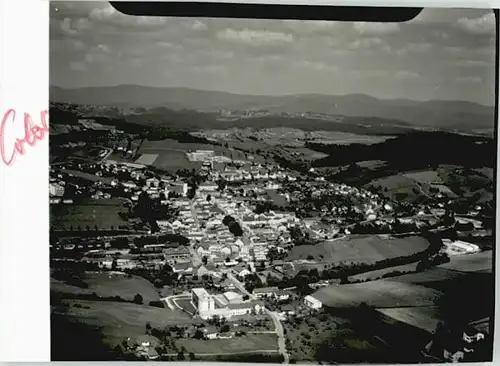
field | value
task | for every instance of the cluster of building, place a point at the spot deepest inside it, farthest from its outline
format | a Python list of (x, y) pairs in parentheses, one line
[(225, 305)]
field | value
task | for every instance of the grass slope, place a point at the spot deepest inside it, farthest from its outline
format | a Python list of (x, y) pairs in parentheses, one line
[(107, 285), (360, 248)]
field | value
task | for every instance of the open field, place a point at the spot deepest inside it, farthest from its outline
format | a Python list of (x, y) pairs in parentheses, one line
[(380, 294), (488, 172), (171, 154), (100, 213), (477, 262), (108, 284), (362, 248), (371, 164), (186, 304), (399, 187), (118, 321), (174, 160), (423, 317), (91, 177), (250, 342), (426, 176), (372, 275), (146, 159)]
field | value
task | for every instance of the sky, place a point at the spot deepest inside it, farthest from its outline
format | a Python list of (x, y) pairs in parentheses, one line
[(445, 54)]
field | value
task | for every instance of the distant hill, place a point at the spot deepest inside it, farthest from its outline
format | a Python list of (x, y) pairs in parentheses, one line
[(463, 116)]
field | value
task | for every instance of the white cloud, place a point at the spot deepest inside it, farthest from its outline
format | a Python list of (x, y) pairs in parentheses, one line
[(469, 80), (255, 37), (407, 75), (375, 28), (74, 27), (482, 25), (362, 74), (98, 53), (370, 43), (421, 47), (197, 25), (316, 66), (474, 63)]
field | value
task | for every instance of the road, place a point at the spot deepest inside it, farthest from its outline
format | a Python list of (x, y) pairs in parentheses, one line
[(197, 262), (274, 317)]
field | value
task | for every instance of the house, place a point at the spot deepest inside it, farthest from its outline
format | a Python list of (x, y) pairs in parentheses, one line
[(265, 291), (179, 254), (183, 268), (312, 302)]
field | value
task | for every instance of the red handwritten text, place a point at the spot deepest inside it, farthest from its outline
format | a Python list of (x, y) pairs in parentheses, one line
[(32, 134)]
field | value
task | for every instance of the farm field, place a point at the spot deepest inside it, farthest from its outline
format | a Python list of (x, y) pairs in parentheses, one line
[(477, 262), (371, 164), (346, 138), (91, 177), (380, 294), (174, 160), (488, 172), (100, 213), (399, 187), (171, 154), (427, 176), (146, 159), (423, 317), (118, 321), (362, 248), (373, 275), (108, 284), (250, 342)]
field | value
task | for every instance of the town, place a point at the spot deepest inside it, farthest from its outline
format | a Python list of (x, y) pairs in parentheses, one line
[(235, 245)]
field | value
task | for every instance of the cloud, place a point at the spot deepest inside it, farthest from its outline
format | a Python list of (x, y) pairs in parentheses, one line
[(370, 43), (109, 15), (407, 75), (74, 28), (469, 80), (255, 37), (316, 66), (197, 25), (211, 69), (98, 53), (418, 48), (478, 26), (362, 74), (78, 66), (474, 63), (376, 28)]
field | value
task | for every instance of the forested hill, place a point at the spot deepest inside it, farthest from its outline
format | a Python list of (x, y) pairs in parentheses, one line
[(414, 151)]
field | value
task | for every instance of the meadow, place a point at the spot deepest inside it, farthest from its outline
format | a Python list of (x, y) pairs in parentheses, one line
[(422, 317), (117, 321), (110, 284), (250, 342), (362, 248), (379, 294), (92, 213), (377, 274)]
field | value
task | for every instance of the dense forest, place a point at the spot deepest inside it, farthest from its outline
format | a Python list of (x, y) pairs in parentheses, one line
[(414, 150)]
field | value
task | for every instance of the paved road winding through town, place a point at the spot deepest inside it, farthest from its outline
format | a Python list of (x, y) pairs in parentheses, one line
[(274, 316)]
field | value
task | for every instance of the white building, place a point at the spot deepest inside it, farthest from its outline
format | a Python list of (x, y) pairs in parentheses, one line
[(207, 307), (56, 190), (312, 302)]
